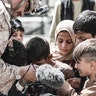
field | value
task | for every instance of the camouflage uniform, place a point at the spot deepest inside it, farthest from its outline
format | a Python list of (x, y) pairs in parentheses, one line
[(8, 73)]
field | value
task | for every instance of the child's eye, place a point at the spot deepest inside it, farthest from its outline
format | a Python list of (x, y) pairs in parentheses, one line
[(14, 35), (60, 41), (69, 41), (82, 39), (21, 35)]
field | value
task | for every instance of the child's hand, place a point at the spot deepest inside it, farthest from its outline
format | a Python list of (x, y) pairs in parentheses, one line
[(74, 82)]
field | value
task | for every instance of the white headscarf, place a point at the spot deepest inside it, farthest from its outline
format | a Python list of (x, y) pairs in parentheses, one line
[(65, 25)]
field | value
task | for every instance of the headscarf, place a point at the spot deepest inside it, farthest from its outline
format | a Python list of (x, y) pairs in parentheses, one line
[(66, 25)]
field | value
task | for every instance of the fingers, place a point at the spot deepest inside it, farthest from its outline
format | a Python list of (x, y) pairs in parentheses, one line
[(74, 82), (28, 73)]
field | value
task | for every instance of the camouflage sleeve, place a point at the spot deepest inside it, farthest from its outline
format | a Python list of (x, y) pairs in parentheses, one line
[(8, 73), (4, 26)]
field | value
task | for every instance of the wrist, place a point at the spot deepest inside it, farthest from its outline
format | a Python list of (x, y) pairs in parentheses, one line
[(22, 82), (19, 86)]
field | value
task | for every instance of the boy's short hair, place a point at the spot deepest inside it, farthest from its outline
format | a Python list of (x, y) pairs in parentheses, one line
[(37, 48), (86, 49), (20, 29), (86, 22)]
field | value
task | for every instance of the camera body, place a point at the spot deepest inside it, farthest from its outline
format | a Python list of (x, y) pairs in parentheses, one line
[(42, 9), (15, 23), (38, 89)]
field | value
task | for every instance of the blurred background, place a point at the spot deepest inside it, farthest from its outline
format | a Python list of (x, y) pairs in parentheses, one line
[(35, 24)]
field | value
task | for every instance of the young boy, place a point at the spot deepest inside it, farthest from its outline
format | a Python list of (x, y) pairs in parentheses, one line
[(85, 56), (17, 30), (85, 28), (85, 25), (38, 52)]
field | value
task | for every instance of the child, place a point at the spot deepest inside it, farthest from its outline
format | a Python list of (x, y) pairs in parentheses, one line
[(38, 52), (85, 57), (65, 42), (17, 30), (85, 25)]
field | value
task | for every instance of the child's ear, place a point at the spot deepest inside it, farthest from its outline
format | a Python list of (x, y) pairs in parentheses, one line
[(49, 57), (93, 64)]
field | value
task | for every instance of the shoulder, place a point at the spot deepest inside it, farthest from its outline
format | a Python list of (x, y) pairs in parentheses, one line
[(3, 9), (65, 68)]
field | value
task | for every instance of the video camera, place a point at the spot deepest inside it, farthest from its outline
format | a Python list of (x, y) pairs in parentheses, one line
[(38, 89), (42, 9)]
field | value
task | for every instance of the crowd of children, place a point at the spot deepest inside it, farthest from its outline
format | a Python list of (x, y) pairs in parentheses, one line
[(73, 52)]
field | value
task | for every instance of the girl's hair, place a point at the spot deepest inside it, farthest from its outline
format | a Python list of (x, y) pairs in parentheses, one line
[(37, 48), (86, 49)]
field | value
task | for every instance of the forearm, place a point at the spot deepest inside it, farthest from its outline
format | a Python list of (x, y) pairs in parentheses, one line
[(65, 90), (2, 47)]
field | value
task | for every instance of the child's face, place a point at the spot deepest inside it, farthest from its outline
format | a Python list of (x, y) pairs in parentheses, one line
[(83, 67), (64, 42), (18, 36), (83, 36)]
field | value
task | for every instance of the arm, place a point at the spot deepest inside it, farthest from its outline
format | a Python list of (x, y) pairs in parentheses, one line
[(29, 75), (67, 90), (66, 69), (4, 24)]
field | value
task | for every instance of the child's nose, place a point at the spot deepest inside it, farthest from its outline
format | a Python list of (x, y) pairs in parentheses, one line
[(64, 44)]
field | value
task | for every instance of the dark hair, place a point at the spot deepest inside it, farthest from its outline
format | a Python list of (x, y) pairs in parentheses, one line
[(86, 22), (20, 29), (37, 48), (15, 55), (86, 49)]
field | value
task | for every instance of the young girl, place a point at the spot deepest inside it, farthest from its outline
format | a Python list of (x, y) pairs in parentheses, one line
[(65, 42)]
